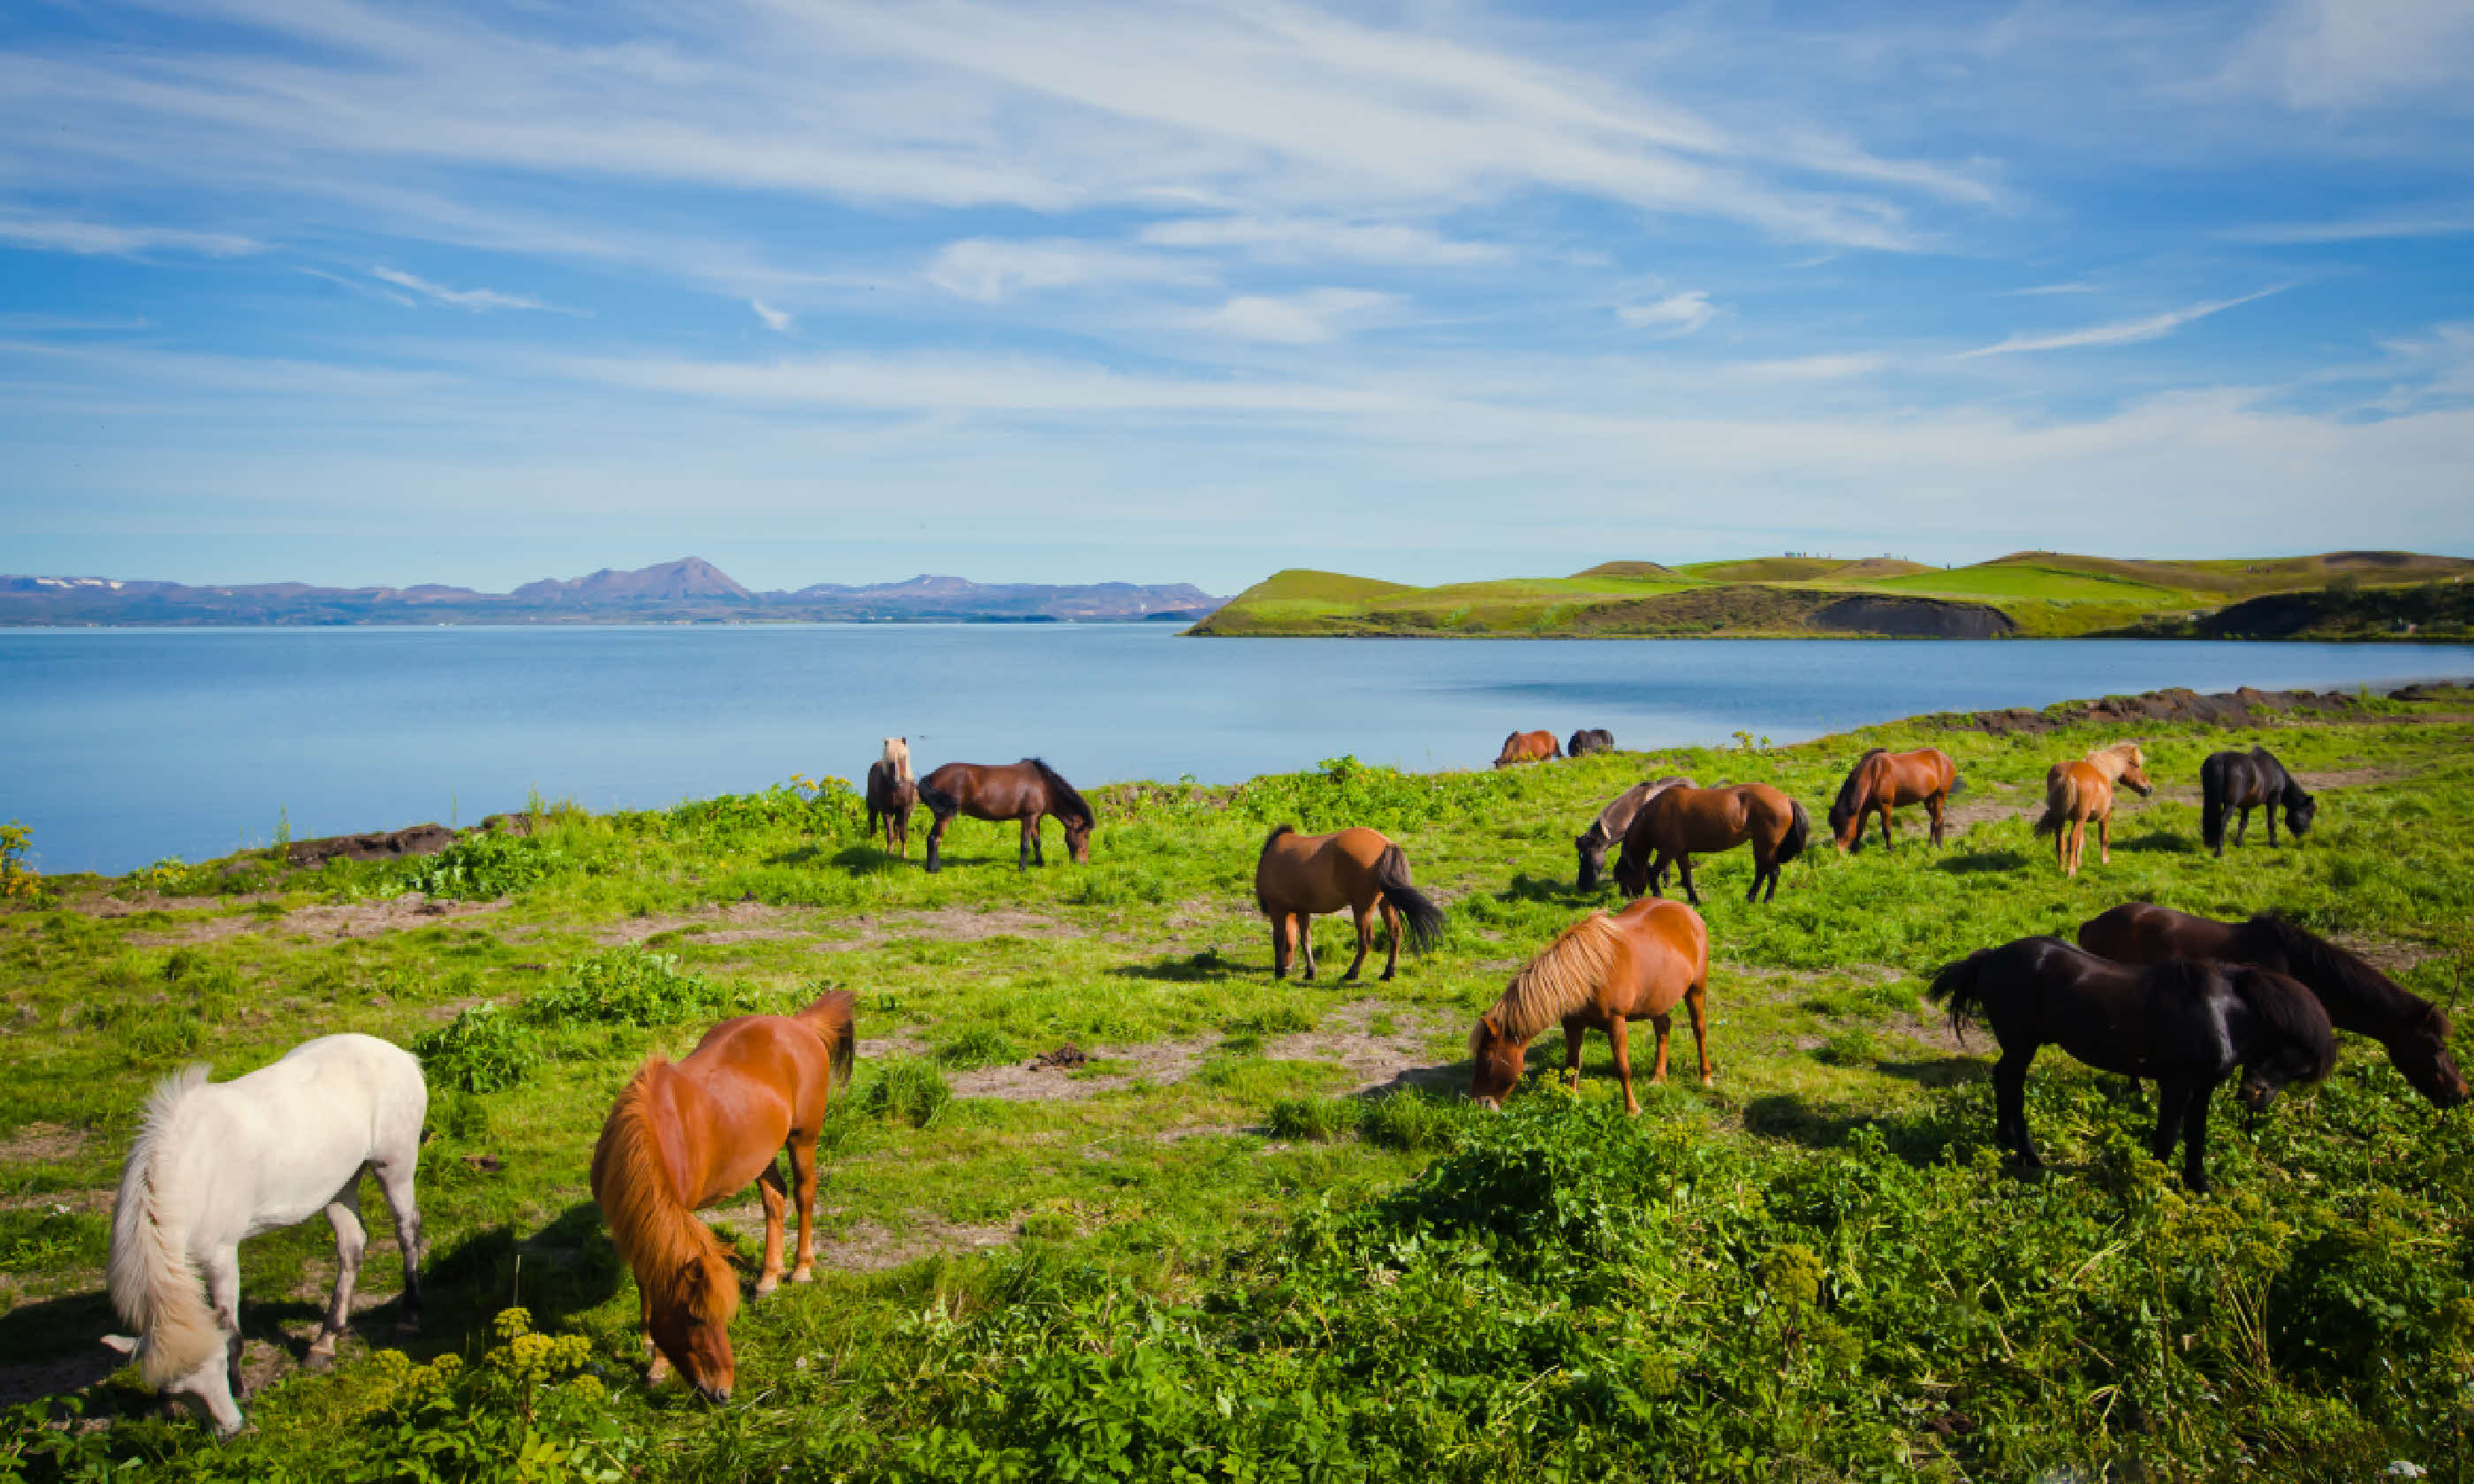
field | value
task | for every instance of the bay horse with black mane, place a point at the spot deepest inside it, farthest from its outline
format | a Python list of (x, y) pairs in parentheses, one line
[(2185, 1022), (1677, 824), (2356, 997), (1600, 974), (1880, 781), (1299, 875), (1028, 791), (1528, 747), (2244, 782), (1609, 827), (690, 1134), (2080, 791)]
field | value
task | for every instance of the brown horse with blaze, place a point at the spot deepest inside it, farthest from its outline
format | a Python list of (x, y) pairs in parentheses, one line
[(1880, 781), (1601, 973), (2077, 792), (1528, 747), (687, 1135), (1299, 875), (1675, 825)]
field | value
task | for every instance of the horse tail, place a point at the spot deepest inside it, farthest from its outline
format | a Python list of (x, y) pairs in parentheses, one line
[(829, 1018), (2212, 801), (939, 803), (672, 1254), (1798, 832), (2061, 800), (153, 1284), (2292, 1013), (1960, 986), (1421, 920)]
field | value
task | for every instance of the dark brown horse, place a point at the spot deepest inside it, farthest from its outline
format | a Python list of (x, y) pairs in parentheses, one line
[(2185, 1022), (891, 796), (1588, 740), (1681, 823), (1880, 781), (1528, 747), (1607, 828), (1028, 791), (1299, 875), (1602, 972), (2358, 997), (2243, 781)]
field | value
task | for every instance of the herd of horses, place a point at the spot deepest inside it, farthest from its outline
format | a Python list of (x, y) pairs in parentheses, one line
[(2146, 992)]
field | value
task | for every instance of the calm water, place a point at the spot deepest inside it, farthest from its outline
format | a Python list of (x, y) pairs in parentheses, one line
[(124, 746)]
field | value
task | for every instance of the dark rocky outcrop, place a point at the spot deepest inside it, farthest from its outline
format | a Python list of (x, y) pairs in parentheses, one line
[(1912, 618), (386, 844), (2243, 708)]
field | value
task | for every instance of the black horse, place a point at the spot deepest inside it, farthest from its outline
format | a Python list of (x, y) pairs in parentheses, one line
[(1588, 740), (2247, 781), (890, 799), (2185, 1022)]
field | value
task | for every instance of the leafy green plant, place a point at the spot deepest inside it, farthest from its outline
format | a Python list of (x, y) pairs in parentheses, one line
[(1316, 1118), (628, 986), (906, 1090), (482, 867), (981, 1046), (483, 1049), (18, 882)]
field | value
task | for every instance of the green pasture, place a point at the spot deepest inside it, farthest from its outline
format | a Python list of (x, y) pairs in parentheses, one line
[(1256, 1235)]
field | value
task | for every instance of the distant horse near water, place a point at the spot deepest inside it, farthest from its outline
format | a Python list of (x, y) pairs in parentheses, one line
[(1677, 824), (2244, 782), (1609, 827), (1528, 747), (1881, 781), (1600, 974), (2077, 792), (1028, 791), (1299, 875), (1588, 740), (891, 795)]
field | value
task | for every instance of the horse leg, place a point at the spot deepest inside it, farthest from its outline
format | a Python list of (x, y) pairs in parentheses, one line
[(1030, 836), (2195, 1140), (394, 1183), (1364, 918), (1038, 852), (1617, 1032), (1391, 925), (351, 1241), (2011, 1105), (222, 1296), (1664, 1025), (1574, 1034), (2268, 815), (2104, 838), (2241, 824), (1933, 806), (1684, 868), (1281, 923), (658, 1365), (1696, 1004), (803, 1196), (777, 1200), (1305, 945), (936, 824), (2172, 1101), (1887, 843)]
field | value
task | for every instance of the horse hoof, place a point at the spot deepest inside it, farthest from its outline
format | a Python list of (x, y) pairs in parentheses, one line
[(766, 1286), (318, 1359), (802, 1275)]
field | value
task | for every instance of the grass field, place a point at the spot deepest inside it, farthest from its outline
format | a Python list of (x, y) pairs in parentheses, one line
[(1256, 1236)]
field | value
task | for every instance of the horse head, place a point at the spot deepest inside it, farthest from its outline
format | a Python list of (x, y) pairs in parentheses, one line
[(205, 1387), (2293, 1043), (1592, 849), (2300, 810), (2134, 769), (1077, 836), (1495, 1062), (691, 1320), (1632, 871), (2422, 1053)]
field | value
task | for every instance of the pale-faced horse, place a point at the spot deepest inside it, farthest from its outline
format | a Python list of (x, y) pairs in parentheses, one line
[(2078, 792), (1601, 973)]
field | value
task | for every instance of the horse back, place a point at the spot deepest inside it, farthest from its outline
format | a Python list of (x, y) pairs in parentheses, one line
[(750, 1083), (1662, 950), (1319, 872)]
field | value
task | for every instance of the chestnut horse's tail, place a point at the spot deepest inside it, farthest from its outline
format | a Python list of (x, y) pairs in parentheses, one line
[(1421, 920), (671, 1254), (2061, 800), (1799, 833), (829, 1018)]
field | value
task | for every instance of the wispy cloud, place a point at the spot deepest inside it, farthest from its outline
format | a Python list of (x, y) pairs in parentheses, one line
[(1303, 239), (2452, 222), (1677, 314), (476, 300), (2075, 286), (2120, 332), (1816, 367), (991, 270), (1306, 318), (774, 319), (97, 239)]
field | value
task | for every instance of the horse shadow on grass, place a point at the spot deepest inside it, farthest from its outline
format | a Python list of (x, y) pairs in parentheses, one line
[(1976, 862), (1209, 967), (1553, 891), (2161, 843)]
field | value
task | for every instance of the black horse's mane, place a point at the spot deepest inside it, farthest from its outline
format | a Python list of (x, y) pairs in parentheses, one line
[(1061, 792), (2292, 1012), (2333, 971), (1850, 792)]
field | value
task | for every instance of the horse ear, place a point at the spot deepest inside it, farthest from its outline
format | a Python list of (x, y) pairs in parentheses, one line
[(122, 1343)]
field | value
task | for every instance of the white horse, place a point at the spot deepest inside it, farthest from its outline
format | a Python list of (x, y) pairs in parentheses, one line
[(215, 1162), (897, 752)]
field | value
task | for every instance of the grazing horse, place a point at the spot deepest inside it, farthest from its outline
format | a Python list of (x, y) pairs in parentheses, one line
[(1880, 781), (2077, 792), (1299, 875), (1588, 740), (1025, 791), (2247, 781), (1528, 747), (1607, 828), (2358, 997), (2185, 1022), (891, 795), (687, 1135), (1601, 973), (216, 1162), (1677, 824)]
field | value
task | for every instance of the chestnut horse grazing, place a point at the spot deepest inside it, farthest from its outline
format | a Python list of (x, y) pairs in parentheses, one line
[(2077, 792), (1026, 791), (687, 1135), (1609, 827), (891, 795), (1299, 875), (1881, 781), (1588, 740), (2244, 782), (2185, 1022), (1528, 747), (2358, 997), (1600, 974), (1677, 824)]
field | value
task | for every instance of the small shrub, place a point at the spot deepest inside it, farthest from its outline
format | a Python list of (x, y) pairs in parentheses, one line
[(631, 986), (982, 1046), (1277, 1020), (483, 1049), (1413, 1122), (1320, 1119), (1849, 1048), (907, 1090), (482, 867), (18, 882)]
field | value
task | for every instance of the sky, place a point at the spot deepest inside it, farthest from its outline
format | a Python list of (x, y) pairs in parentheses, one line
[(828, 292)]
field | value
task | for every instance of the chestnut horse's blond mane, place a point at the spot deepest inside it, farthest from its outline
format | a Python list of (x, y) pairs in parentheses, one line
[(670, 1252), (1563, 976), (897, 752), (2111, 761)]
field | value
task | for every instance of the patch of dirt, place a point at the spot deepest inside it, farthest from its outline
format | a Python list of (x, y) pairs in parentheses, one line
[(94, 1201), (870, 1246), (1395, 1060), (371, 919), (1934, 1031), (98, 905), (946, 924), (43, 1143), (2353, 777), (904, 1041), (747, 918)]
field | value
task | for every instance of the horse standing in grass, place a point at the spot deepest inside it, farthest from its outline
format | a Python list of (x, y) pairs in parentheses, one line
[(1588, 740), (1528, 747), (215, 1162), (2358, 997), (1880, 781), (687, 1135), (1299, 875), (891, 795), (1609, 827), (2186, 1023), (1028, 791), (2244, 782), (2077, 792), (1601, 973), (1677, 824)]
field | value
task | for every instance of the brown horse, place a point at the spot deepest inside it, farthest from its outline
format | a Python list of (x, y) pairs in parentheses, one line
[(1674, 825), (1880, 781), (1299, 875), (1528, 747), (891, 795), (2356, 997), (1607, 828), (2077, 792), (1602, 972), (1026, 791), (687, 1135)]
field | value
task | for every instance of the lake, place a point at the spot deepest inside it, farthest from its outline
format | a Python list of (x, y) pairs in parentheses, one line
[(125, 746)]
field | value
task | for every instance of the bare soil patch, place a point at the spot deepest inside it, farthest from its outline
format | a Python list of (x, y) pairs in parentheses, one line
[(744, 919), (946, 924), (869, 1245), (43, 1143), (1396, 1059), (384, 915)]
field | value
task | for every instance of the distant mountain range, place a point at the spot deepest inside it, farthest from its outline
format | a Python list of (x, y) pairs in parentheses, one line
[(689, 590)]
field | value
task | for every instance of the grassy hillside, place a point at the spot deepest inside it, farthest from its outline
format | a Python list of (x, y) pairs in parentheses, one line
[(1256, 1235), (2037, 594)]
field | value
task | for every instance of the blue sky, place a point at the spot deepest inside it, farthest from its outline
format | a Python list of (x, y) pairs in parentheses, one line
[(843, 292)]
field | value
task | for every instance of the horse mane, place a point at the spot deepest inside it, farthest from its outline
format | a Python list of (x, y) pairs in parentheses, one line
[(2122, 755), (897, 752), (656, 1235), (153, 1284), (1851, 793), (1558, 980), (1059, 789), (2292, 1012), (2345, 978)]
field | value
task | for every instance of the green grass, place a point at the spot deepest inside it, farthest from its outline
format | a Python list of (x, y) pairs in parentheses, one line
[(1220, 1254)]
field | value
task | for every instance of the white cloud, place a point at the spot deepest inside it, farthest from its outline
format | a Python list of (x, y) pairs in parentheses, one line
[(2340, 55), (2121, 332), (2436, 223), (1306, 318), (1816, 367), (774, 319), (989, 269), (96, 239), (2075, 286), (1677, 314), (1302, 239), (476, 300)]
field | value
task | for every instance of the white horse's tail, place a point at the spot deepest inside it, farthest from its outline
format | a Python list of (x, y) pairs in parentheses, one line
[(153, 1284)]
